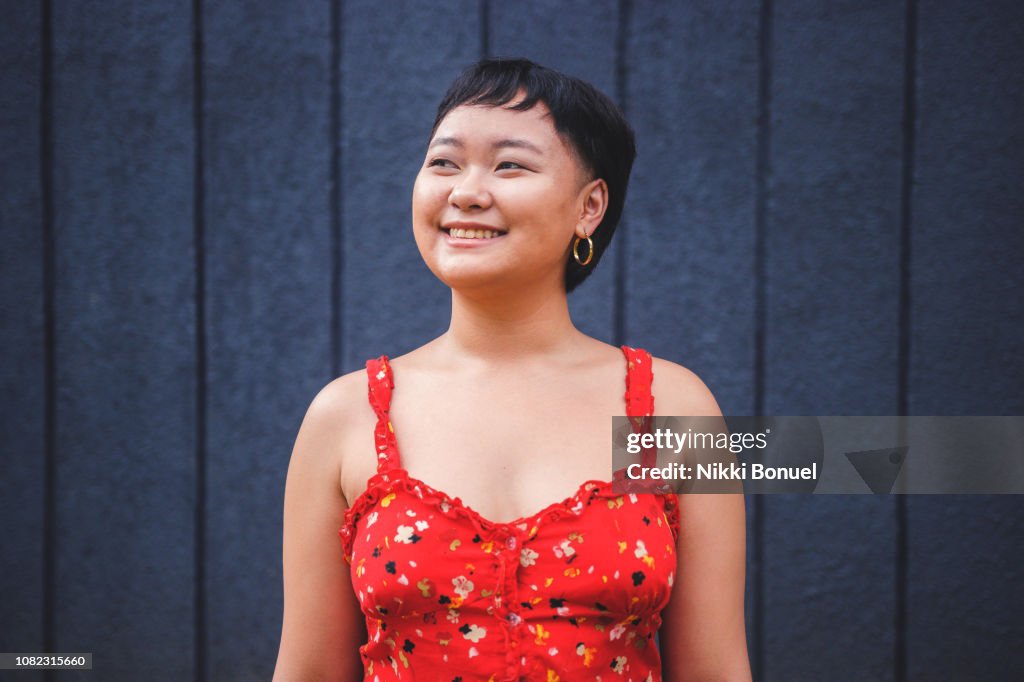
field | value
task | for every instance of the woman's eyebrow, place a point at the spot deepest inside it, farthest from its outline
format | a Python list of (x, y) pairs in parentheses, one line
[(516, 143), (438, 141)]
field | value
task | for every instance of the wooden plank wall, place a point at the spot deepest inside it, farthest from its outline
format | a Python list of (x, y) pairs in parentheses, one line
[(205, 218)]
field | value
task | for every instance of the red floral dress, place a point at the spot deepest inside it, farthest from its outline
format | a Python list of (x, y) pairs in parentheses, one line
[(573, 592)]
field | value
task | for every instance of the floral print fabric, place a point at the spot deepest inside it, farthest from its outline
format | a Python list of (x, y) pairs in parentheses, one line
[(572, 592)]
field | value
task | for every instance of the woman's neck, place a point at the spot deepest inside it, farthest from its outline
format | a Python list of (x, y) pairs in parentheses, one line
[(510, 326)]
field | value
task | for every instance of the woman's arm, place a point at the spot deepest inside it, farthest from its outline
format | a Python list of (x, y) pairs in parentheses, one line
[(703, 637), (322, 626)]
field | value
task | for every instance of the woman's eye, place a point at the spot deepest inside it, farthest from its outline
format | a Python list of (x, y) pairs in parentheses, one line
[(440, 163), (505, 165)]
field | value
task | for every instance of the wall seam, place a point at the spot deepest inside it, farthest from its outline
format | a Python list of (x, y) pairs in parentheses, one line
[(336, 196), (763, 173), (49, 267), (199, 251), (907, 169), (622, 248), (485, 28)]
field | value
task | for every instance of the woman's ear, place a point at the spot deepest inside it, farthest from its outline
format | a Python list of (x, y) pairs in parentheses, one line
[(594, 202)]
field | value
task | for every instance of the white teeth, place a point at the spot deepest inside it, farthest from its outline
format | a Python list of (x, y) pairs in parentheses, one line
[(473, 234)]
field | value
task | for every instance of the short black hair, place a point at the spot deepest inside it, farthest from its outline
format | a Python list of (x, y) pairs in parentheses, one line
[(594, 126)]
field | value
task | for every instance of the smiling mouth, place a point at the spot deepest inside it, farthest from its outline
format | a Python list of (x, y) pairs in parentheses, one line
[(461, 233)]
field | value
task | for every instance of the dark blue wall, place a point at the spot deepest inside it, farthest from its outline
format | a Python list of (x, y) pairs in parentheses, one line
[(205, 218)]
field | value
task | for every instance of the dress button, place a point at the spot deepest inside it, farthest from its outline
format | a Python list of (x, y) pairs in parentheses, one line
[(511, 542), (514, 619)]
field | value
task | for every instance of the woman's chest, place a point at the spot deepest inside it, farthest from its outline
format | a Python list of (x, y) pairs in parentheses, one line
[(418, 554), (507, 456)]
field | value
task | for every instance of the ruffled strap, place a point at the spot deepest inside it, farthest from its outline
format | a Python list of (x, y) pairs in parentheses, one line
[(381, 382), (640, 410), (639, 399)]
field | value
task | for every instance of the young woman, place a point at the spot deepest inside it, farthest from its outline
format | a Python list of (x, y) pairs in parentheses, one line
[(480, 537)]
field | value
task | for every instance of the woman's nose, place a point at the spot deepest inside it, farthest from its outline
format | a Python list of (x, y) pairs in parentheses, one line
[(469, 192)]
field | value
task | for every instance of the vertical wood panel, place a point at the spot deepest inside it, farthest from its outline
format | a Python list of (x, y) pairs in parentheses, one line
[(397, 61), (125, 356), (267, 152), (691, 95), (577, 38), (968, 239), (832, 255), (692, 89), (22, 332), (964, 553)]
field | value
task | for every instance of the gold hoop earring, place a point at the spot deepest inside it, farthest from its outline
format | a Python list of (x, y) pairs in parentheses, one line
[(576, 253)]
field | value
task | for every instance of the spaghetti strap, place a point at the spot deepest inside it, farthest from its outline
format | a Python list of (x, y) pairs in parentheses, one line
[(380, 383), (639, 399), (639, 376)]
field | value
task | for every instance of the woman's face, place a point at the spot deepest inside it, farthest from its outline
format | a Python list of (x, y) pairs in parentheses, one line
[(499, 197)]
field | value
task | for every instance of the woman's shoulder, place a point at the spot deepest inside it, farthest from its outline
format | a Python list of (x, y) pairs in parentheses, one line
[(679, 391), (342, 399), (340, 422)]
